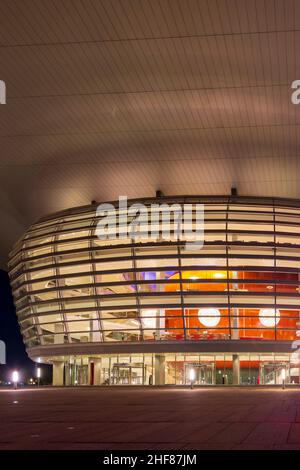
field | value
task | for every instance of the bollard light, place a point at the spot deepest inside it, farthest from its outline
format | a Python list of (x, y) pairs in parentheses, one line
[(192, 377), (38, 374), (15, 378)]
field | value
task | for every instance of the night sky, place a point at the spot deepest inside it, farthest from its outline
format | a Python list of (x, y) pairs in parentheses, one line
[(16, 357)]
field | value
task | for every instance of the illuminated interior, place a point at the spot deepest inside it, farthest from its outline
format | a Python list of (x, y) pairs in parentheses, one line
[(70, 287)]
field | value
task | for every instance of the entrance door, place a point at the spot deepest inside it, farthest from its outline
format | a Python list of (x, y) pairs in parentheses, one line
[(121, 375), (273, 373), (127, 374), (82, 375), (203, 374)]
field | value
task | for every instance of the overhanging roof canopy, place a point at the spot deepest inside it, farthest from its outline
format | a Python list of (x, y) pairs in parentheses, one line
[(125, 97)]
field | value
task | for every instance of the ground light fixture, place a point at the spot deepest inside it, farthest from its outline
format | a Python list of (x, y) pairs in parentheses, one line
[(192, 376), (15, 378)]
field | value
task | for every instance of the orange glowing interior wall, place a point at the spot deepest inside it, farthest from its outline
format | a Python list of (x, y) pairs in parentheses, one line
[(249, 322)]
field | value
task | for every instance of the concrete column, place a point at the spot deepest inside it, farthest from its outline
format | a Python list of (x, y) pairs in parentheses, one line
[(213, 374), (97, 371), (68, 371), (58, 373), (59, 333), (235, 334), (157, 324), (94, 335), (160, 369), (236, 369)]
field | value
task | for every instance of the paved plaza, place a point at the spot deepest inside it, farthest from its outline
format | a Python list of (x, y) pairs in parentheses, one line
[(152, 419)]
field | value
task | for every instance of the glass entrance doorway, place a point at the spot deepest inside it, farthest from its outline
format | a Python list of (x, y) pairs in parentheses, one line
[(203, 374), (127, 374), (274, 373)]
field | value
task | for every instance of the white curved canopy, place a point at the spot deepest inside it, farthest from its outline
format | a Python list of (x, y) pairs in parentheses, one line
[(126, 97)]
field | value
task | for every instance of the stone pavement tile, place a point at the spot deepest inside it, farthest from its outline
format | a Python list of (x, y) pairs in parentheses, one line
[(110, 446), (255, 416), (151, 433), (253, 446), (96, 432), (127, 446), (121, 432), (129, 417), (164, 446), (94, 446), (207, 446), (26, 432), (297, 419), (16, 446), (210, 416), (100, 416), (8, 446), (282, 416), (286, 447), (157, 416), (188, 417), (269, 433), (201, 434), (234, 433), (294, 435), (175, 432), (53, 433), (234, 415)]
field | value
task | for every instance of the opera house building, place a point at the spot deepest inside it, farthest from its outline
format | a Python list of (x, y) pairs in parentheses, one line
[(118, 312)]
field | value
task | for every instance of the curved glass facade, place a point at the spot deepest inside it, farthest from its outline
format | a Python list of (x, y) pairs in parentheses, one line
[(70, 287)]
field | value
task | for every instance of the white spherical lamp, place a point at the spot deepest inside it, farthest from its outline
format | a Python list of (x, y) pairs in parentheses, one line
[(269, 317), (209, 316)]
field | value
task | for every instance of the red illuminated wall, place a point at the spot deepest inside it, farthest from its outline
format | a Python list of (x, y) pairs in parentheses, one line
[(249, 326)]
